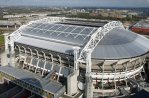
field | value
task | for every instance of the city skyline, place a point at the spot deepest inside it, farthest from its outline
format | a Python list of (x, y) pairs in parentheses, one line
[(77, 3)]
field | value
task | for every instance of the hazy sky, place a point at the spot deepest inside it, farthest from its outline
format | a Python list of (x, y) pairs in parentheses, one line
[(96, 3)]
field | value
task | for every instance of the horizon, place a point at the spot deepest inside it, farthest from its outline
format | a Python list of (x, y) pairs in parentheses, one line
[(78, 3), (68, 6)]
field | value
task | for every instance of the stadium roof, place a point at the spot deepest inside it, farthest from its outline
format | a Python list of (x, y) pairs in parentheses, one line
[(61, 37), (120, 43), (68, 34), (142, 24)]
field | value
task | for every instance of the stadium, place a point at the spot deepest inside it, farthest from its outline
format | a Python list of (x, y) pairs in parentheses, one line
[(60, 57)]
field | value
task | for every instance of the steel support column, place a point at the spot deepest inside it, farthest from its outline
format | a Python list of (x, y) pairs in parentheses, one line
[(37, 61), (44, 67), (60, 62), (135, 67), (102, 85), (31, 56), (114, 79), (30, 51), (11, 52), (126, 72), (76, 66), (52, 60), (6, 41), (44, 55), (89, 81)]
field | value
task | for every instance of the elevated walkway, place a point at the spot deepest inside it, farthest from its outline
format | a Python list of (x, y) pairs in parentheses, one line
[(32, 82)]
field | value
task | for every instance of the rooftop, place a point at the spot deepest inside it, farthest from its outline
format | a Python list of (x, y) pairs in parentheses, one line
[(120, 44), (32, 79), (61, 36), (63, 33), (10, 23), (143, 24)]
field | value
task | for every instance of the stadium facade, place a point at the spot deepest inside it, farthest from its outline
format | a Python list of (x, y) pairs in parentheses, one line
[(74, 58)]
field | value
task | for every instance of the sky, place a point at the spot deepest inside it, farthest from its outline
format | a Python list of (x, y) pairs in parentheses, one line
[(78, 3)]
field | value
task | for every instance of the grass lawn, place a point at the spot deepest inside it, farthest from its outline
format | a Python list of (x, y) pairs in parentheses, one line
[(2, 40)]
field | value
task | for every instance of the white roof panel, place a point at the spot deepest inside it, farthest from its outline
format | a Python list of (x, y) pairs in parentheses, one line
[(119, 44), (49, 45), (63, 32)]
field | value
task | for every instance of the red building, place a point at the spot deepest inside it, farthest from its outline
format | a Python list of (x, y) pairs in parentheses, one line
[(142, 27)]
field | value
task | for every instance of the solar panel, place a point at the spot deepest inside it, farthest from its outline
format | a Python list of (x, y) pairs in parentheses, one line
[(26, 30), (87, 31), (78, 30), (94, 30), (29, 31), (34, 25), (46, 34), (69, 29), (48, 26), (62, 28), (53, 35), (42, 31), (55, 27), (38, 25), (67, 33), (33, 32)]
